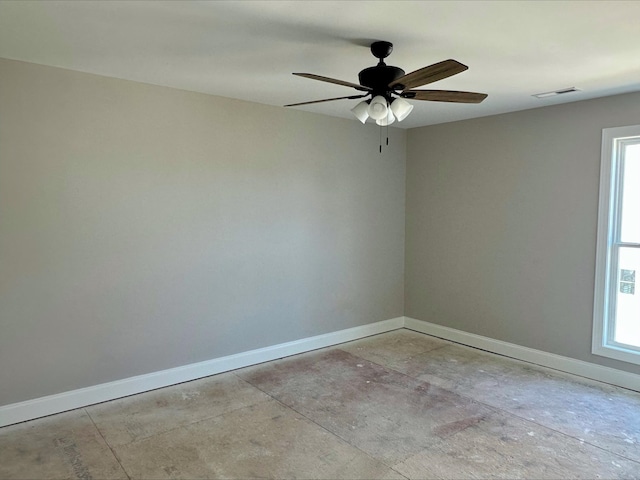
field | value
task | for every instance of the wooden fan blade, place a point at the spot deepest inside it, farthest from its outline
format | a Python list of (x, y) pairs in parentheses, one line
[(429, 74), (444, 96), (327, 100), (333, 80)]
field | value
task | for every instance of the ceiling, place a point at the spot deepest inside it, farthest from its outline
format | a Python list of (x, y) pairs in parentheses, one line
[(248, 49)]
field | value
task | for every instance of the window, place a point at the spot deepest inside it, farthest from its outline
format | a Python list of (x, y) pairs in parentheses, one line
[(616, 326)]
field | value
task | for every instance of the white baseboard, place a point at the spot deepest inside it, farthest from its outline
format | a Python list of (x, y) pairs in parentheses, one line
[(545, 359), (40, 407), (49, 405)]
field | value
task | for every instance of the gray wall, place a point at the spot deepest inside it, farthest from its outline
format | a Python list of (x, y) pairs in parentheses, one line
[(143, 228), (501, 224)]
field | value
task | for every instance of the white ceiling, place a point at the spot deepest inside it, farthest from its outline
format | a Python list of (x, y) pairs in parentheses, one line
[(248, 49)]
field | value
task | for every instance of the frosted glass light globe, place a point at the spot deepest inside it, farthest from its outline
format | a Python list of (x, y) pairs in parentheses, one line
[(378, 108)]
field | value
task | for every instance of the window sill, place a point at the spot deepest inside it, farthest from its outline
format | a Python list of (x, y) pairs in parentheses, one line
[(617, 353)]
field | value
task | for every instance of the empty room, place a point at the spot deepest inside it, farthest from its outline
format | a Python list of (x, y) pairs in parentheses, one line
[(319, 239)]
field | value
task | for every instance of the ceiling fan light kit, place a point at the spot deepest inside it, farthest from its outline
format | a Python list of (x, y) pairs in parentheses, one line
[(399, 110), (389, 86)]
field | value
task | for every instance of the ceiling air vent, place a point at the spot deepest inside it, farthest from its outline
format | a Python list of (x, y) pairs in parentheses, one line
[(562, 91)]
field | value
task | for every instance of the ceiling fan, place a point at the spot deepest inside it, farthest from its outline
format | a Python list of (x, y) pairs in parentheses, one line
[(389, 87)]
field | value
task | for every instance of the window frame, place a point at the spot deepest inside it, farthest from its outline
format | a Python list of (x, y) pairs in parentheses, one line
[(609, 243)]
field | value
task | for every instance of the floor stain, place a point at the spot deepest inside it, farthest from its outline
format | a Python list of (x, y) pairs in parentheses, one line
[(72, 454)]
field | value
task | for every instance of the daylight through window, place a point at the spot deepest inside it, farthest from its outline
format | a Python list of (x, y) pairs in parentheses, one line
[(617, 297)]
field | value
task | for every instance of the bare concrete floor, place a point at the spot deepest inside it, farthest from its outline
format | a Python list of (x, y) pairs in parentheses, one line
[(393, 406)]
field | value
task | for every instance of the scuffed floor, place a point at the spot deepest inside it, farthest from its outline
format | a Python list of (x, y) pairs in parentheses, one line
[(396, 405)]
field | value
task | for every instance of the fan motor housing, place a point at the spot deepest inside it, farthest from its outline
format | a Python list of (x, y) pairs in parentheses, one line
[(379, 77)]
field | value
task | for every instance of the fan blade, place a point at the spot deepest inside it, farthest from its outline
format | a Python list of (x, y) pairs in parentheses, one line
[(352, 97), (429, 74), (444, 96), (333, 80)]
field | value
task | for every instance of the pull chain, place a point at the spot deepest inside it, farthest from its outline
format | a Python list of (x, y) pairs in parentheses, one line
[(387, 134)]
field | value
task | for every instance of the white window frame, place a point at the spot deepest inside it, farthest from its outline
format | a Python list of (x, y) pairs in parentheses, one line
[(608, 243)]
